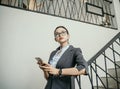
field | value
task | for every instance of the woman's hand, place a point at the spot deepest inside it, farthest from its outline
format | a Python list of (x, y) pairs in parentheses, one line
[(50, 69), (43, 64), (46, 74)]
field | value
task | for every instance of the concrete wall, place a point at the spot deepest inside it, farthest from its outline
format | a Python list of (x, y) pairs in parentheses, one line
[(25, 35)]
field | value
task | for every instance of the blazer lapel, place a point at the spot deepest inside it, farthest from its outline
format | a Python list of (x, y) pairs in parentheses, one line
[(53, 53), (63, 57)]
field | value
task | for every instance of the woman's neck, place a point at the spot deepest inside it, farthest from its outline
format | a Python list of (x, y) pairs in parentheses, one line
[(64, 44)]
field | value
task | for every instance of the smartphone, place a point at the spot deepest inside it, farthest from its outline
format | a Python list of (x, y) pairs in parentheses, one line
[(40, 61)]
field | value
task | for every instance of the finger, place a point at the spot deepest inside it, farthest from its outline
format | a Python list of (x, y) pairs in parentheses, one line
[(44, 67), (46, 64), (48, 69)]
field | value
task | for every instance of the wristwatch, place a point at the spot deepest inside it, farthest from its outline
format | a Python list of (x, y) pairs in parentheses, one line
[(60, 72)]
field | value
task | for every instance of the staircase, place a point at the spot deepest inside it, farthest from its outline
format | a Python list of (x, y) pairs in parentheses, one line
[(111, 82), (104, 66)]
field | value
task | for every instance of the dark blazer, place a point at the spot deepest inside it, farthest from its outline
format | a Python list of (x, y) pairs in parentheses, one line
[(72, 57)]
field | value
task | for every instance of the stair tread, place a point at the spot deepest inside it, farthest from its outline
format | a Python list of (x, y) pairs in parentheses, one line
[(103, 87), (111, 82), (113, 68), (112, 72), (110, 77), (118, 63)]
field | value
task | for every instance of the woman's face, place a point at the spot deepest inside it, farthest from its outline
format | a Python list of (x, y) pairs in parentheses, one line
[(61, 35)]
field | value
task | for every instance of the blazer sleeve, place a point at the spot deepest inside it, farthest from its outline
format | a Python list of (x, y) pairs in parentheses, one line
[(80, 61)]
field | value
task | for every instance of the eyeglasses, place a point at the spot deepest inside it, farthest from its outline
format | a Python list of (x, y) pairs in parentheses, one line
[(63, 33)]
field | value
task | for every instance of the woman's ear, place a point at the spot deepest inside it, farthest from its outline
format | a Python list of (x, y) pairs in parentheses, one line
[(55, 39)]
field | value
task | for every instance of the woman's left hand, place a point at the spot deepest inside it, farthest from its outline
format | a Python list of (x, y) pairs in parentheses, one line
[(51, 70)]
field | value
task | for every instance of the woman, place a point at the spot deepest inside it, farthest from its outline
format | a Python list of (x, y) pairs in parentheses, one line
[(64, 62)]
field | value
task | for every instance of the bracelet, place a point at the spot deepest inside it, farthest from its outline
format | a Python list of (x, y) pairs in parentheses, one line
[(60, 72)]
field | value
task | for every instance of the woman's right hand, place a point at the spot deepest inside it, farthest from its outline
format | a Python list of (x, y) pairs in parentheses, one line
[(46, 74), (41, 66)]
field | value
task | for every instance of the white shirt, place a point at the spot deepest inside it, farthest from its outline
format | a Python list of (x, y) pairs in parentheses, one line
[(58, 55)]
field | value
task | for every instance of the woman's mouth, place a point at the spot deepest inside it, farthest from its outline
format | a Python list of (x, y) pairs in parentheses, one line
[(60, 38)]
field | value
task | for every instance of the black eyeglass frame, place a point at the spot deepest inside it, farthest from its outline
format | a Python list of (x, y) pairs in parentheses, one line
[(63, 33)]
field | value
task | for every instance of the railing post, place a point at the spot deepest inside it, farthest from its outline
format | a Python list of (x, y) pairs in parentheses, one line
[(91, 81), (79, 81), (20, 3), (0, 1)]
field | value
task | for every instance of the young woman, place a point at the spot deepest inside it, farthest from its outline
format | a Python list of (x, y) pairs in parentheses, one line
[(64, 62)]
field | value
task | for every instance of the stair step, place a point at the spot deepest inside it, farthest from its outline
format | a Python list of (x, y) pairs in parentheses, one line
[(113, 73), (118, 63), (111, 82), (100, 87)]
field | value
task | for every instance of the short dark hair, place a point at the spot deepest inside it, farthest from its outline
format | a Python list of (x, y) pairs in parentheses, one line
[(61, 27)]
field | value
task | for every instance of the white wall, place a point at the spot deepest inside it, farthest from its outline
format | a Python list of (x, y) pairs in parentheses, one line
[(117, 11), (25, 35)]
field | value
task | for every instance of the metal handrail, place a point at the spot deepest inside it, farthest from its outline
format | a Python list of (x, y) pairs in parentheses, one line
[(94, 70), (103, 49), (102, 13), (94, 66)]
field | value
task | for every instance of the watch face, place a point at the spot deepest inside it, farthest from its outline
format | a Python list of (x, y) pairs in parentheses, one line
[(60, 72)]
